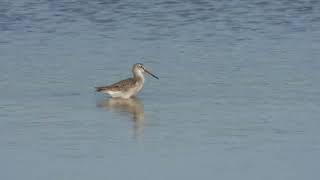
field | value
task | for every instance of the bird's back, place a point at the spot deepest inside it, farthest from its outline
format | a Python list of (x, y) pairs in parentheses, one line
[(123, 85)]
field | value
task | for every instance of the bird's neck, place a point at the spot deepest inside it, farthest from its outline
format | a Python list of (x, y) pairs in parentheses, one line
[(138, 75)]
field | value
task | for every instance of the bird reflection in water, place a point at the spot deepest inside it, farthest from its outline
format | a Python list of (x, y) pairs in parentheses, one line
[(130, 107)]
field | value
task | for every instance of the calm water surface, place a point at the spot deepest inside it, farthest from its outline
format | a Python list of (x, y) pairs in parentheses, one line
[(238, 95)]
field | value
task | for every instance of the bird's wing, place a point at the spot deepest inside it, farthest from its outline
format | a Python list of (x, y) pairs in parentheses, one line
[(121, 85)]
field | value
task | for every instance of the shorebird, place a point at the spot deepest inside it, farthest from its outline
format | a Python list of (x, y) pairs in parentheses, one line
[(129, 87)]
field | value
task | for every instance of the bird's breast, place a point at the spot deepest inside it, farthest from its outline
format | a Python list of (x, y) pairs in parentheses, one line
[(139, 85)]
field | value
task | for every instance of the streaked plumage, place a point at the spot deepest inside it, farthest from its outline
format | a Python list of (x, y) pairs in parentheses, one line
[(128, 87)]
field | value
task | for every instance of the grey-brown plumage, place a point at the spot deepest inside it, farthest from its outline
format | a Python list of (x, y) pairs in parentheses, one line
[(119, 86), (128, 87)]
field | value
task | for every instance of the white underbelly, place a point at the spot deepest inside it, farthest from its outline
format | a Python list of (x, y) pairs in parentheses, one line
[(125, 94)]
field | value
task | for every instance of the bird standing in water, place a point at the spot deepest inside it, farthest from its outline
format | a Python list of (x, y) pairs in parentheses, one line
[(129, 87)]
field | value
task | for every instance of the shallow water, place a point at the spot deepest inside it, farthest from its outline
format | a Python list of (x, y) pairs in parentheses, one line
[(238, 95)]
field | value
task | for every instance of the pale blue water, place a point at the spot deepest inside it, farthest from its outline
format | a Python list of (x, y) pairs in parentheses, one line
[(238, 95)]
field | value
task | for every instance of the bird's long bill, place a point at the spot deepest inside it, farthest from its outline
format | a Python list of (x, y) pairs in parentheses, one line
[(151, 73)]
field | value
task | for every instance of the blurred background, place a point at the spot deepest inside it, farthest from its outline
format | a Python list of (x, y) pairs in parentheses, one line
[(238, 95)]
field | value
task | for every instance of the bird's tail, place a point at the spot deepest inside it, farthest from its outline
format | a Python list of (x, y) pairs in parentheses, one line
[(99, 89)]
